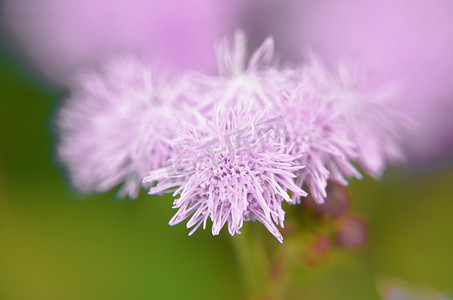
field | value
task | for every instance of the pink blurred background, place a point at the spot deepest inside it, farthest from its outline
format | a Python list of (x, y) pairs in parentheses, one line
[(63, 35)]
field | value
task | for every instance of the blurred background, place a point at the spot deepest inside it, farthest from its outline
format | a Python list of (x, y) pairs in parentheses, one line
[(57, 244)]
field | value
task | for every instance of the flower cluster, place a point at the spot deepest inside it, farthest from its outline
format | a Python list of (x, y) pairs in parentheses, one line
[(231, 147)]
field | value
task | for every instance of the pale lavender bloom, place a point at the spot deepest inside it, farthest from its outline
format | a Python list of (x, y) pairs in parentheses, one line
[(372, 119), (243, 79), (231, 170), (335, 120), (314, 129), (117, 124)]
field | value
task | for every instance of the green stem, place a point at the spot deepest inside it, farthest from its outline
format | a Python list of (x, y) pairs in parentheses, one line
[(254, 265), (246, 263)]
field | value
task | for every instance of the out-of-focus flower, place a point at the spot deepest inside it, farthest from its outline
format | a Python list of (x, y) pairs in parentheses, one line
[(63, 35), (336, 120), (371, 119), (244, 78), (231, 170), (118, 124), (317, 131)]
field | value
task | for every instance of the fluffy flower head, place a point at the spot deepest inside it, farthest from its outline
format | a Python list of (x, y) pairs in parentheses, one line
[(243, 79), (233, 171), (371, 118), (117, 125), (315, 131)]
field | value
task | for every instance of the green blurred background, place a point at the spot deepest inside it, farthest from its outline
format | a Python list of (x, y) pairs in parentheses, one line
[(55, 244)]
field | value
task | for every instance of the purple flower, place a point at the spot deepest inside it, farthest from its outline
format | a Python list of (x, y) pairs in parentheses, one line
[(118, 124), (231, 170), (241, 79), (314, 129), (335, 121), (372, 119)]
